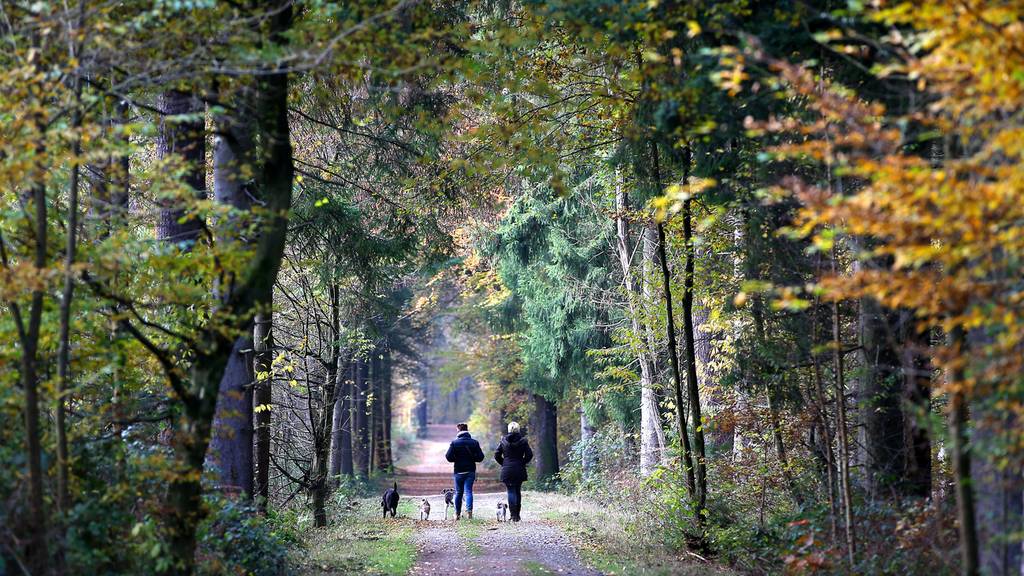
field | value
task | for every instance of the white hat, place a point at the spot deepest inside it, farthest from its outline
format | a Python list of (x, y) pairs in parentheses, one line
[(513, 427)]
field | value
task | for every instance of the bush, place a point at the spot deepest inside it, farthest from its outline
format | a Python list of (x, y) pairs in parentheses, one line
[(235, 540)]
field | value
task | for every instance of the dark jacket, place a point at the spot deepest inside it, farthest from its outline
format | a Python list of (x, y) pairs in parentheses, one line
[(465, 452), (513, 454)]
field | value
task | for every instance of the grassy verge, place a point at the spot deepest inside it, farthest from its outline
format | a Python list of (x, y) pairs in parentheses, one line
[(470, 531), (360, 542), (606, 542)]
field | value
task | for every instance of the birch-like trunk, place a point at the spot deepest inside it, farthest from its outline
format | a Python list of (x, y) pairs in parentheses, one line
[(652, 437)]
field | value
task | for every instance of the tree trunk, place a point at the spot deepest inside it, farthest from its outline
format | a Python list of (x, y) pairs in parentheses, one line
[(187, 139), (422, 411), (387, 458), (693, 390), (545, 457), (677, 384), (255, 286), (652, 437), (322, 417), (64, 339), (918, 372), (341, 441), (882, 392), (999, 500), (231, 448), (263, 336), (843, 430), (360, 432), (376, 424), (961, 459), (826, 432), (28, 337)]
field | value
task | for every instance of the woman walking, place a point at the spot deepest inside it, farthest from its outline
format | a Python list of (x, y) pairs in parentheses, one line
[(513, 453)]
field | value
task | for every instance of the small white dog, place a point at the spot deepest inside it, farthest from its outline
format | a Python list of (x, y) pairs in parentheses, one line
[(502, 512), (425, 510)]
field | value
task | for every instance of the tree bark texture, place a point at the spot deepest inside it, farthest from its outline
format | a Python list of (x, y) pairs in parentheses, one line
[(545, 416), (187, 139), (231, 448)]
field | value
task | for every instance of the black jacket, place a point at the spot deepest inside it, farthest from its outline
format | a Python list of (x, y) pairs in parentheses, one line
[(465, 452), (513, 453)]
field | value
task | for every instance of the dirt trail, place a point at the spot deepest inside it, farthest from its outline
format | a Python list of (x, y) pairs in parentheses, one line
[(482, 545)]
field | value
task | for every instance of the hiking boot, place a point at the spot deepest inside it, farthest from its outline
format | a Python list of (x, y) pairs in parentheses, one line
[(469, 514), (458, 515)]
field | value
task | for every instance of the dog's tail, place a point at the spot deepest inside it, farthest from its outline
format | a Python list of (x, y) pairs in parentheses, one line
[(396, 486)]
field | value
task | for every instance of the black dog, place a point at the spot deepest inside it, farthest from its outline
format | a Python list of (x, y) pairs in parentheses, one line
[(389, 502)]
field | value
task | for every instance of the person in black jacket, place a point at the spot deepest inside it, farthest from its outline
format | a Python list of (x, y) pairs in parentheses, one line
[(513, 453), (464, 452)]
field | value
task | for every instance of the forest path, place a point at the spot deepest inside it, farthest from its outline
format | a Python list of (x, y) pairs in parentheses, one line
[(483, 545)]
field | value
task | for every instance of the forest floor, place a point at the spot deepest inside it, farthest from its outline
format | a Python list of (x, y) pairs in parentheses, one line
[(559, 534)]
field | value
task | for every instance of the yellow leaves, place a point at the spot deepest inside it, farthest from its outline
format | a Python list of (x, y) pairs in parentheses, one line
[(740, 300), (671, 202)]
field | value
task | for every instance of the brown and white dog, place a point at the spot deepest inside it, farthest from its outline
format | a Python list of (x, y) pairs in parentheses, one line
[(502, 512), (449, 500), (425, 510)]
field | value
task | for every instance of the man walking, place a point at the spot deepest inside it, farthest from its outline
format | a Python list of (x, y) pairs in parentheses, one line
[(464, 452)]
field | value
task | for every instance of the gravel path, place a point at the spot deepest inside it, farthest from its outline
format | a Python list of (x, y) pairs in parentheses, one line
[(529, 548)]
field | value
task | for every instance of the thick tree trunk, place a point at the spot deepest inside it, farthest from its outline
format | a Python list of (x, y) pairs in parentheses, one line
[(255, 286), (999, 498), (545, 415), (263, 337), (186, 139), (360, 430), (231, 448), (652, 437), (882, 392), (185, 490)]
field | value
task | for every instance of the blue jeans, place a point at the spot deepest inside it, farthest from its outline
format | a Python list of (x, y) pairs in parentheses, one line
[(515, 498), (464, 484)]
